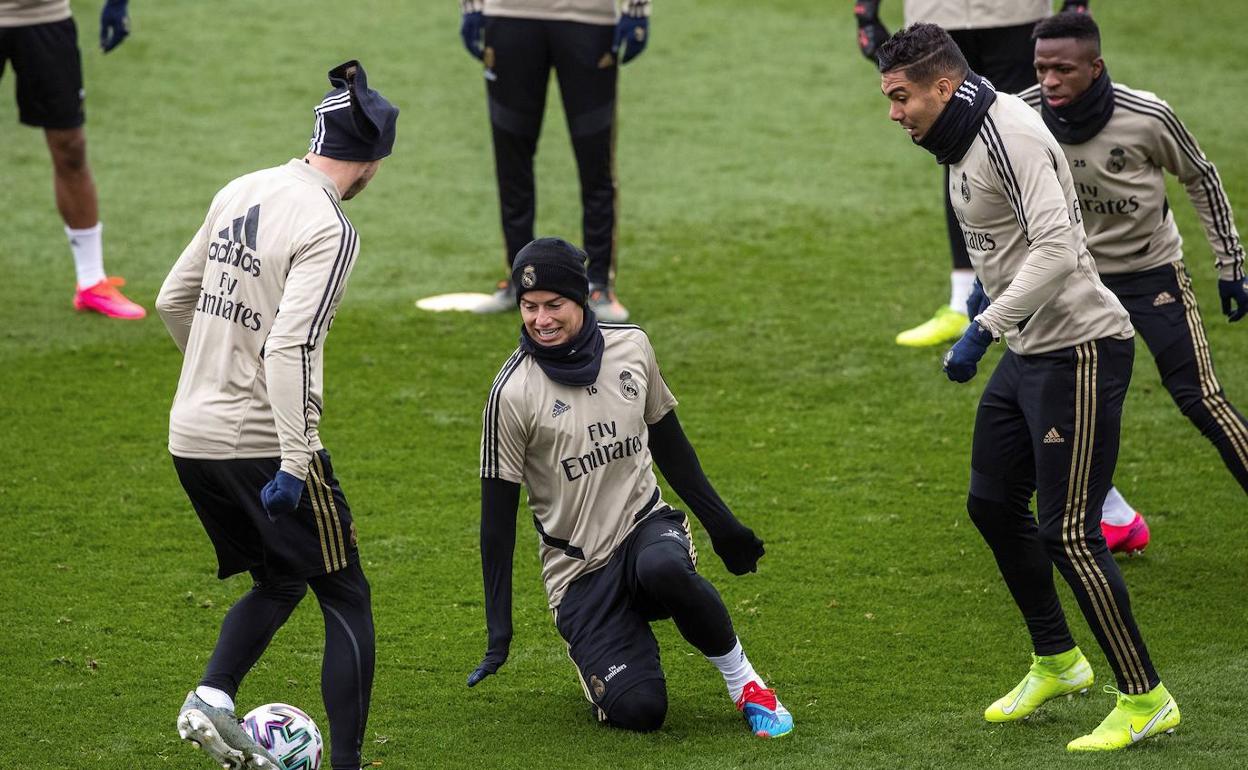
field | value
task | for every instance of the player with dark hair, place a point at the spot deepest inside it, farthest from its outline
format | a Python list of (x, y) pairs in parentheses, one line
[(40, 38), (585, 42), (577, 414), (1049, 418), (250, 303), (995, 38), (1120, 142)]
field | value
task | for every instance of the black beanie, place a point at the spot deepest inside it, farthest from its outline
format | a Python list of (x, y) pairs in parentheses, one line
[(353, 122), (551, 264)]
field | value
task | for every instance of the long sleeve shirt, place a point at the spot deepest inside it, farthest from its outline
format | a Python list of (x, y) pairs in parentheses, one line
[(1015, 200), (1120, 178), (250, 302), (26, 13), (582, 11)]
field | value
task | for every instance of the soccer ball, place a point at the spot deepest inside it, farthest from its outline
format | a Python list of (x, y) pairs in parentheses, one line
[(288, 733)]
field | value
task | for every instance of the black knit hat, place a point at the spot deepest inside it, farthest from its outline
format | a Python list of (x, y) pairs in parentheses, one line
[(353, 122), (551, 264)]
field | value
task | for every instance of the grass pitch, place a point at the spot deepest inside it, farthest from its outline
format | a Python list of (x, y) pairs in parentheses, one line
[(776, 232)]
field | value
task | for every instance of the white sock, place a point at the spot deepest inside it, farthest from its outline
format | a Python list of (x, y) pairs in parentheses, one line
[(736, 669), (215, 698), (960, 283), (1116, 510), (88, 249)]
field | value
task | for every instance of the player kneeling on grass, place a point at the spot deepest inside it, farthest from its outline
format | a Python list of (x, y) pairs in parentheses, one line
[(576, 414), (243, 427)]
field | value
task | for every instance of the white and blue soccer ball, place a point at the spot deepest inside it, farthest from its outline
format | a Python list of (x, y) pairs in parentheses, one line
[(288, 733)]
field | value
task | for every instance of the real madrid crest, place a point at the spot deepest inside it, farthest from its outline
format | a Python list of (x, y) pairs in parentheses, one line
[(597, 686), (966, 189), (628, 386), (528, 277), (1117, 160)]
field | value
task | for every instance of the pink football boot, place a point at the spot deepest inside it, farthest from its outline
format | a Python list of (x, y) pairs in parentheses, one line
[(104, 297), (1130, 538)]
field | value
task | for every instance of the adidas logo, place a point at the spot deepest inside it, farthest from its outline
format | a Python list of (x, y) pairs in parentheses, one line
[(1053, 437), (1165, 298), (237, 244), (559, 408)]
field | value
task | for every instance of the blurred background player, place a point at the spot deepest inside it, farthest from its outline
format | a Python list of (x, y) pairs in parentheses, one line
[(39, 38), (577, 414), (585, 41), (243, 429), (1049, 418), (995, 38), (1120, 142)]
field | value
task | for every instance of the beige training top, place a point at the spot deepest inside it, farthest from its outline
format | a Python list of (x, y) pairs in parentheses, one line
[(583, 453), (976, 14), (583, 11), (250, 302), (1015, 199), (1120, 177), (24, 13)]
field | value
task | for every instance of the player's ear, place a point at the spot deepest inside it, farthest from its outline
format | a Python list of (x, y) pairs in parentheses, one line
[(1098, 67), (944, 89)]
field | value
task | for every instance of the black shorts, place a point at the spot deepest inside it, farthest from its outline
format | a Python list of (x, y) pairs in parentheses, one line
[(605, 616), (316, 539), (48, 66), (1002, 54)]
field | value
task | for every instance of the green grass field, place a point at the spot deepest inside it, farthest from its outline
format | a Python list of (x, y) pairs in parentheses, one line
[(776, 232)]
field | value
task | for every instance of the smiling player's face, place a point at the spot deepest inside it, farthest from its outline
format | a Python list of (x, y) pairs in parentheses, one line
[(550, 319)]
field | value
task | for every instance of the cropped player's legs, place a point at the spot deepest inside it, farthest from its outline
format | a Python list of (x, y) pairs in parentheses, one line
[(587, 75), (1163, 308), (348, 662), (1073, 401), (517, 74), (248, 628), (1002, 480)]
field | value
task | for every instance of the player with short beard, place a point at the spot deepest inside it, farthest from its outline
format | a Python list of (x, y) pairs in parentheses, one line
[(576, 415), (1120, 142), (1049, 418), (250, 303)]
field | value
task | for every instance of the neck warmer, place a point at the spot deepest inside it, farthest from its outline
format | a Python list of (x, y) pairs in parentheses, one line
[(1082, 119), (572, 363), (958, 124)]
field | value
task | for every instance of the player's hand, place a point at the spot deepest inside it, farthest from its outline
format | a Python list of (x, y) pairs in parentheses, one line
[(1237, 292), (631, 34), (493, 659), (281, 495), (871, 31), (960, 362), (740, 549), (114, 24), (978, 302), (472, 30), (1075, 6)]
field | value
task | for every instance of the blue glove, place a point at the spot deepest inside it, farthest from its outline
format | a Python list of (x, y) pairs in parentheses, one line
[(114, 24), (493, 659), (978, 302), (961, 359), (631, 34), (472, 30), (281, 495), (1234, 290)]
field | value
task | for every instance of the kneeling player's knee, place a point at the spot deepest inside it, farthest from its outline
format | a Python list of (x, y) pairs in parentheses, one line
[(641, 709), (983, 512), (664, 566)]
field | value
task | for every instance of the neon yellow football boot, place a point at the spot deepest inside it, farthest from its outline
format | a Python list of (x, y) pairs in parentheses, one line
[(1133, 719), (948, 324), (1050, 676)]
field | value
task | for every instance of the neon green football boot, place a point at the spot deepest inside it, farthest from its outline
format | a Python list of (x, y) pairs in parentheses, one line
[(1133, 719), (1050, 676), (948, 324)]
